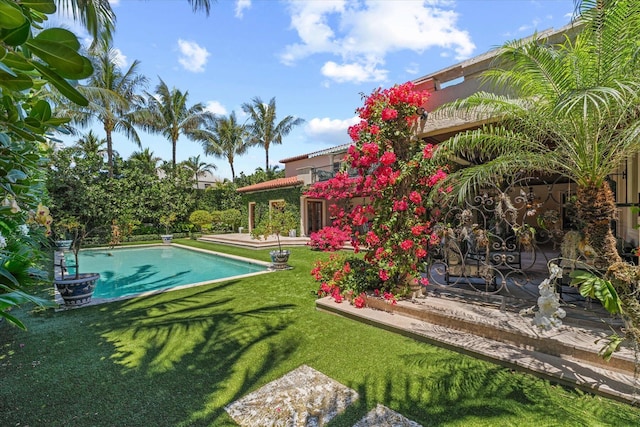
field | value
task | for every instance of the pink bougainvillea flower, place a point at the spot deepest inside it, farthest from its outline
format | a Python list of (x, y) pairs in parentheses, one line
[(372, 239), (388, 158), (359, 301), (424, 281), (399, 205), (347, 268), (417, 230), (390, 298), (389, 114), (415, 197), (421, 253), (436, 178), (384, 276), (406, 244), (427, 151)]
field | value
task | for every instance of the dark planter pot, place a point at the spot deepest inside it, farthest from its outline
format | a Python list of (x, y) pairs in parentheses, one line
[(63, 245), (76, 292), (279, 260)]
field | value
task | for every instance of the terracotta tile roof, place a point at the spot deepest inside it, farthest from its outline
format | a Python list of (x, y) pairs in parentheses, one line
[(330, 150), (291, 181)]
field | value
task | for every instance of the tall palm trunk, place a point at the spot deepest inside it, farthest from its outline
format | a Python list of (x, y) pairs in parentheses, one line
[(109, 151), (173, 154), (596, 207)]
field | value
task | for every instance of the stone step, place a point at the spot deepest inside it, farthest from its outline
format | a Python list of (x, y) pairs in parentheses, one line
[(567, 356)]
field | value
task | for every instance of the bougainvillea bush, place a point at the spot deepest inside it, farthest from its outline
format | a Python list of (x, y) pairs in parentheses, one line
[(386, 207), (344, 275)]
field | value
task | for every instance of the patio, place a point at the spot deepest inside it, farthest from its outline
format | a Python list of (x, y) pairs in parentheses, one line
[(246, 241)]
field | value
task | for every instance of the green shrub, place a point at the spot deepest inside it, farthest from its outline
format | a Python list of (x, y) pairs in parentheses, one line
[(201, 219)]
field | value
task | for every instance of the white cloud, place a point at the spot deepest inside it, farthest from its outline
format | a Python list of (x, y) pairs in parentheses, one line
[(330, 131), (354, 72), (216, 107), (193, 57), (119, 58), (412, 68), (363, 33), (114, 2), (241, 5)]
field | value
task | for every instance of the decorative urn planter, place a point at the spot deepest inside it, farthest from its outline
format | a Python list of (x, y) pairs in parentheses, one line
[(77, 291), (166, 238), (63, 245), (279, 259)]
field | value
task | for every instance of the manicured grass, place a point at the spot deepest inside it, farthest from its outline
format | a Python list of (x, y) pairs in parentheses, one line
[(178, 358)]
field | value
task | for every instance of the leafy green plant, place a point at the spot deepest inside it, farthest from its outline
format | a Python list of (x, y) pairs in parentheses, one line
[(596, 287), (31, 59), (167, 221), (202, 219), (280, 219)]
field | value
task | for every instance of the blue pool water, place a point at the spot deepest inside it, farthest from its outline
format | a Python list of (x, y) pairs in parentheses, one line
[(136, 270)]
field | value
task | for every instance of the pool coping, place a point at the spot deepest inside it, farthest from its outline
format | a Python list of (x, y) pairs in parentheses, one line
[(97, 301)]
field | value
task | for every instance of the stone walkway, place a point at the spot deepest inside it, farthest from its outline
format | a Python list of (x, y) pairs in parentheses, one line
[(306, 398)]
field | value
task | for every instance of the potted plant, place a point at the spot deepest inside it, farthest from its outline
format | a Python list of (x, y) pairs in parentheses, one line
[(166, 221), (75, 289), (280, 220), (63, 231)]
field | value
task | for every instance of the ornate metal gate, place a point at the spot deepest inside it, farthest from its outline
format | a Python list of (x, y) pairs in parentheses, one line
[(500, 241)]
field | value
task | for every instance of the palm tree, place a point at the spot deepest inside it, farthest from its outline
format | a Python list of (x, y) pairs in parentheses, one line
[(113, 96), (262, 127), (572, 110), (90, 146), (145, 160), (198, 168), (225, 137), (168, 113), (98, 17)]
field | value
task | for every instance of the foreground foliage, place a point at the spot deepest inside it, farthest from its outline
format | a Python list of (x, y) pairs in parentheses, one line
[(31, 59)]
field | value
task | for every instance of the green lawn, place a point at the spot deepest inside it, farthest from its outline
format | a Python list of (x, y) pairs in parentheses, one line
[(178, 358)]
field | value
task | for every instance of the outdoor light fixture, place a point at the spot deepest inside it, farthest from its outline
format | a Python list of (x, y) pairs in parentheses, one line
[(422, 113)]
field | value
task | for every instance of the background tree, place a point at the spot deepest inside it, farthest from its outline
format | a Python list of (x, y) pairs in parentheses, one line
[(113, 95), (168, 113), (198, 168), (225, 138), (145, 160), (90, 146), (572, 109), (259, 175), (262, 127)]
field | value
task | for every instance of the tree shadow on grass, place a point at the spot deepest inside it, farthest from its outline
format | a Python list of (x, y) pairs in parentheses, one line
[(449, 389), (202, 339)]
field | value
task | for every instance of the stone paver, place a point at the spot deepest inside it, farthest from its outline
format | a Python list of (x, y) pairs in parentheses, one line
[(302, 398), (381, 416)]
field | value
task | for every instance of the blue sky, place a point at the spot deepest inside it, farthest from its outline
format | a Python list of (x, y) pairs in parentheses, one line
[(315, 57)]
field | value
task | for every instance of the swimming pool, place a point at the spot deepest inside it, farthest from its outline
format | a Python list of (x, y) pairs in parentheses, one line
[(138, 270)]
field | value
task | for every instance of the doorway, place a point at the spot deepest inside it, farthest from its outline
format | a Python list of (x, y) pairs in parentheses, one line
[(314, 216)]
